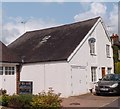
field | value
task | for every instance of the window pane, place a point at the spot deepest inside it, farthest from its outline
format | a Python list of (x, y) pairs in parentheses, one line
[(6, 68), (108, 50), (12, 68), (109, 70), (1, 70), (92, 48), (93, 74), (6, 72), (9, 70), (12, 72)]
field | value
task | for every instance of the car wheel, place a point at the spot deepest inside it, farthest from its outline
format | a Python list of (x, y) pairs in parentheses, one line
[(98, 94)]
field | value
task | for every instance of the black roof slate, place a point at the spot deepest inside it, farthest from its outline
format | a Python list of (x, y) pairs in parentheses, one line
[(52, 44), (7, 55)]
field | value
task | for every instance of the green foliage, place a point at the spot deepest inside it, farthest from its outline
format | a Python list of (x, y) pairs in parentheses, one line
[(46, 100), (20, 101), (5, 100), (115, 53), (117, 67), (26, 101)]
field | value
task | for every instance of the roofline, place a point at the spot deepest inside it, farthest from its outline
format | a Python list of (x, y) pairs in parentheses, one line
[(62, 25), (85, 38), (103, 24), (11, 63), (40, 62)]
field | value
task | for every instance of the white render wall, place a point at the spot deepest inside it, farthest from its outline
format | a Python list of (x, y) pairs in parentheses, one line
[(8, 82), (46, 75), (73, 77), (83, 59)]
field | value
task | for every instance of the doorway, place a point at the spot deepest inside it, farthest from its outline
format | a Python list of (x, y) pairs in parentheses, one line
[(103, 72)]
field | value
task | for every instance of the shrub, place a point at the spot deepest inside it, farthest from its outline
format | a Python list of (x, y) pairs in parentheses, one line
[(46, 100), (5, 100), (117, 67), (20, 101)]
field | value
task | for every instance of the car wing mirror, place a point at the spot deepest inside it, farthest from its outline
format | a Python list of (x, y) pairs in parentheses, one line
[(100, 79)]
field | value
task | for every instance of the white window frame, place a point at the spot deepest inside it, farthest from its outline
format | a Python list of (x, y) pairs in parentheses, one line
[(9, 70), (109, 69), (92, 48), (1, 70), (93, 74), (108, 50)]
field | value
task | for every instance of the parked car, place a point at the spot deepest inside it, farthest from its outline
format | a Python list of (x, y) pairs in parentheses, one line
[(109, 84)]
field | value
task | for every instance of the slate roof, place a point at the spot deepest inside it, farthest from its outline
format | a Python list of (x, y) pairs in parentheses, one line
[(52, 44), (6, 55)]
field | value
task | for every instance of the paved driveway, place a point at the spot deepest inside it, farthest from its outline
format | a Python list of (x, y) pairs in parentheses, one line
[(88, 100)]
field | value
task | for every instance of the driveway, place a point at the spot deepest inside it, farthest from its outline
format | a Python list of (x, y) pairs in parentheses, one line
[(88, 100)]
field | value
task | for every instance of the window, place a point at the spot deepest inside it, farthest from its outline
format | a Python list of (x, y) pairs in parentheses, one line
[(93, 74), (92, 45), (1, 70), (118, 54), (109, 70), (9, 70), (92, 48), (108, 50)]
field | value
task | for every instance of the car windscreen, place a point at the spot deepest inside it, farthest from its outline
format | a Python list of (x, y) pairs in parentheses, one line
[(111, 77)]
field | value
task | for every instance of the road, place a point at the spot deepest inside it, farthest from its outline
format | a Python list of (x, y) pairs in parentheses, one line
[(91, 101), (114, 104)]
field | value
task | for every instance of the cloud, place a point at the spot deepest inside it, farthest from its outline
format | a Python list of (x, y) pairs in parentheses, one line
[(100, 9), (113, 19), (96, 9), (15, 29)]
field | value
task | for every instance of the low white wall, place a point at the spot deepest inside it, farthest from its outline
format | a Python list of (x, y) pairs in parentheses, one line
[(45, 75), (8, 82)]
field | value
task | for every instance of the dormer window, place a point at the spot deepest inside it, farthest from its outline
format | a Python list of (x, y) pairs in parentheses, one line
[(92, 45)]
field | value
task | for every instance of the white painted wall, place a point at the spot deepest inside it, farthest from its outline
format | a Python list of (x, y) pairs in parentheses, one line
[(63, 77), (83, 58), (8, 82), (46, 75)]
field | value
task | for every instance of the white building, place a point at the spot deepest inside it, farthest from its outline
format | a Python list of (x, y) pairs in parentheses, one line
[(68, 58), (9, 70)]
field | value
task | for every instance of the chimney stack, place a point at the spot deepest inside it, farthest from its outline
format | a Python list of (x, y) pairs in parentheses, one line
[(114, 38)]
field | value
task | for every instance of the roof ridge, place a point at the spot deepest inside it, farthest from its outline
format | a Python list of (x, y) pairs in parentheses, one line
[(64, 25)]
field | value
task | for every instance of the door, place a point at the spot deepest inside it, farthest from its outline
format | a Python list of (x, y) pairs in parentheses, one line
[(103, 72), (78, 83)]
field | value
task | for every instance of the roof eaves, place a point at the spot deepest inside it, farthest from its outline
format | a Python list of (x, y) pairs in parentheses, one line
[(47, 61)]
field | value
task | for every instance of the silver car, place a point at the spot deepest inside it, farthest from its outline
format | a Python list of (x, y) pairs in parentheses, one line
[(109, 84)]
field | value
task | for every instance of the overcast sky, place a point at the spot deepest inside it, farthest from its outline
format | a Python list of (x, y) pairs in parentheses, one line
[(39, 15)]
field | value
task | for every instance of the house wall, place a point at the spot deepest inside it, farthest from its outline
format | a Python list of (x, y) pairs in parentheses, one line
[(8, 82), (83, 60), (74, 77), (46, 75)]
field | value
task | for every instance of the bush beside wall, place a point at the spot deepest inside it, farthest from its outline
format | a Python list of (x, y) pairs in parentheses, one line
[(43, 100)]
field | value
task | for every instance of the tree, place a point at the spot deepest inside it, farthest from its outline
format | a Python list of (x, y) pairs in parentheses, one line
[(117, 67)]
